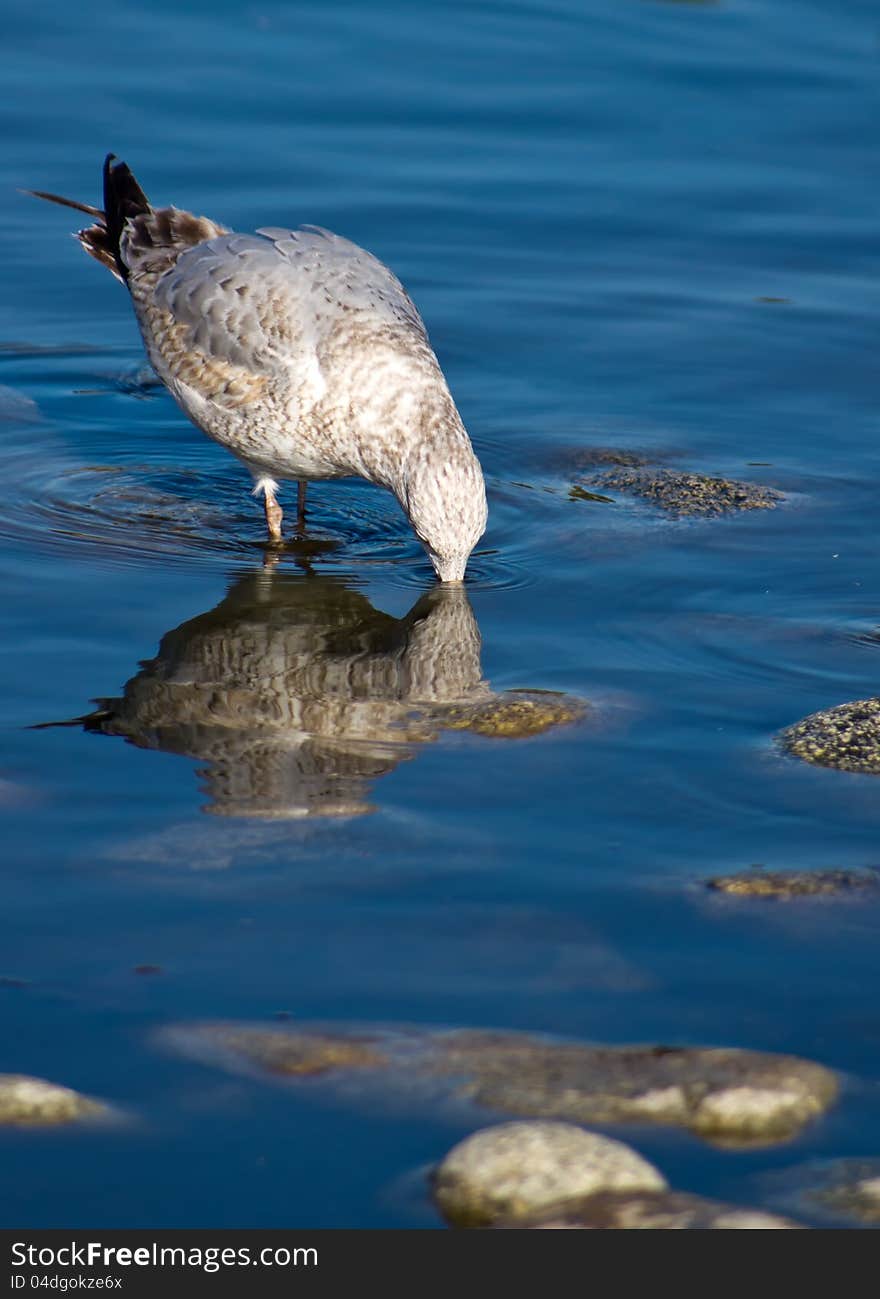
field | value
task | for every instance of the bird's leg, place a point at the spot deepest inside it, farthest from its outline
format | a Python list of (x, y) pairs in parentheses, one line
[(274, 513), (301, 509)]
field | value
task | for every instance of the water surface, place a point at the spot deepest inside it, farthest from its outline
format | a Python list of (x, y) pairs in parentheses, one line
[(627, 224)]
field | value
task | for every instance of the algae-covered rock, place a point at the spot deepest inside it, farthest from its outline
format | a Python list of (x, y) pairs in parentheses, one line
[(35, 1103), (727, 1096), (649, 1210), (783, 885), (685, 494), (515, 714), (517, 1168), (846, 737)]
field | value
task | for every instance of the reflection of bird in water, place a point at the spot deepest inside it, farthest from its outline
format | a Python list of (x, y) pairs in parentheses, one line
[(297, 693), (300, 353)]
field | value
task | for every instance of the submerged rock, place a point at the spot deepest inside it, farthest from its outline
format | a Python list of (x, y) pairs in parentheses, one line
[(650, 1210), (846, 737), (15, 407), (857, 1198), (294, 1054), (678, 492), (589, 458), (517, 1168), (782, 885), (33, 1102), (727, 1096), (844, 1191), (686, 494)]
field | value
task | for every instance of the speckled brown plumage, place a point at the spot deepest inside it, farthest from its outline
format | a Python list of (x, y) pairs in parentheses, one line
[(299, 352)]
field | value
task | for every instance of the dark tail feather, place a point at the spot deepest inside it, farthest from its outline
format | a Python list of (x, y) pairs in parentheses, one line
[(123, 199)]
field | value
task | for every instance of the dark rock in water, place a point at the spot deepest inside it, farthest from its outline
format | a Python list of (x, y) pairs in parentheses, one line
[(649, 1210), (781, 885), (846, 737), (685, 494), (729, 1097), (516, 1169)]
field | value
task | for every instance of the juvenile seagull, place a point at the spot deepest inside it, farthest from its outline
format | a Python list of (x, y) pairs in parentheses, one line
[(298, 351)]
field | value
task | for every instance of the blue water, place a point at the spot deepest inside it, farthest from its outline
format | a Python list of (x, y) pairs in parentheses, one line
[(591, 201)]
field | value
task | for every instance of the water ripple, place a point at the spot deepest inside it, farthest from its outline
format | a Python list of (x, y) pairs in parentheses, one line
[(143, 506)]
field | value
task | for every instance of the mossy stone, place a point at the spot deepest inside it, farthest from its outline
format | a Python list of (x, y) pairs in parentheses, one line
[(846, 737)]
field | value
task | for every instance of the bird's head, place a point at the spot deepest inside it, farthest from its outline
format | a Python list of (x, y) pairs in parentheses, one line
[(444, 496)]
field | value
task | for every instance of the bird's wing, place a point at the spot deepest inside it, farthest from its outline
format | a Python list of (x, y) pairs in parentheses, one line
[(351, 278), (265, 302)]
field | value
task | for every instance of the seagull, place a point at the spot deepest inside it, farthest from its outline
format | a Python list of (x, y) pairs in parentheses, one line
[(298, 351)]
